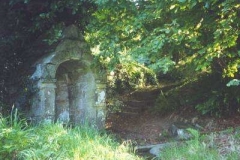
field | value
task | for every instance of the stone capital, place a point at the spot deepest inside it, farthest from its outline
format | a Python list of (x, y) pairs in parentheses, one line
[(47, 83)]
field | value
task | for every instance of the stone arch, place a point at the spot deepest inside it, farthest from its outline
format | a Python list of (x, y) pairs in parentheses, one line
[(84, 93), (75, 92)]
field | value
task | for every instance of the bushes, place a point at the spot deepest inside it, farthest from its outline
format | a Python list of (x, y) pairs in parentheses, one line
[(128, 76), (208, 94), (53, 141)]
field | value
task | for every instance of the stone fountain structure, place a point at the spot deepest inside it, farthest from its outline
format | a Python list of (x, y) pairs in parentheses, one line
[(67, 88)]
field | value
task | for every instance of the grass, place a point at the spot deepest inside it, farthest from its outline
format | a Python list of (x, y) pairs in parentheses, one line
[(19, 141), (53, 141), (208, 147)]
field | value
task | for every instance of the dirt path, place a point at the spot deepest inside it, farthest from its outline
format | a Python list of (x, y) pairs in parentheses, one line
[(137, 121), (144, 128)]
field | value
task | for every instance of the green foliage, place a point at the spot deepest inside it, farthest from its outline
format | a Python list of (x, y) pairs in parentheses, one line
[(200, 147), (209, 106), (162, 35), (53, 141), (114, 105), (234, 82), (219, 99), (166, 102), (184, 70), (128, 75), (192, 150), (151, 35), (220, 104), (54, 34), (205, 93), (3, 108), (13, 136)]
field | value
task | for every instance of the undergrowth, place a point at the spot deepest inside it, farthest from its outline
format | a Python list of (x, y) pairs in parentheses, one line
[(206, 93), (19, 141), (202, 147)]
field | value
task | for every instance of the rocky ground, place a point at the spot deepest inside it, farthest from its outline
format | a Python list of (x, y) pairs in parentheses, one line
[(137, 122)]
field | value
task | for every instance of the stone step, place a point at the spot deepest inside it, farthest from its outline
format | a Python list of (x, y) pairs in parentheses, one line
[(134, 109), (139, 104), (154, 149), (145, 94), (128, 113), (131, 109), (144, 97), (151, 94)]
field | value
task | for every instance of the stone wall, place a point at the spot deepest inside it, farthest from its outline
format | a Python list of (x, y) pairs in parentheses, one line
[(68, 89)]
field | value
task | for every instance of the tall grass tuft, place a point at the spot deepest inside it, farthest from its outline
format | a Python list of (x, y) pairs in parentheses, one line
[(53, 141)]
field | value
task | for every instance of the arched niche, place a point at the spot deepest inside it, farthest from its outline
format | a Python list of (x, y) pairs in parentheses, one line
[(75, 92), (67, 88)]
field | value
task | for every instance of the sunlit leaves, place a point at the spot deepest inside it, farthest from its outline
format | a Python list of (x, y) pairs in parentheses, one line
[(151, 32), (232, 69), (164, 65), (234, 82), (115, 29)]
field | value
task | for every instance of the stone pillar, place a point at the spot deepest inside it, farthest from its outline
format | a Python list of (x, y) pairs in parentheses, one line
[(100, 104), (43, 107), (89, 87), (62, 102), (76, 104)]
